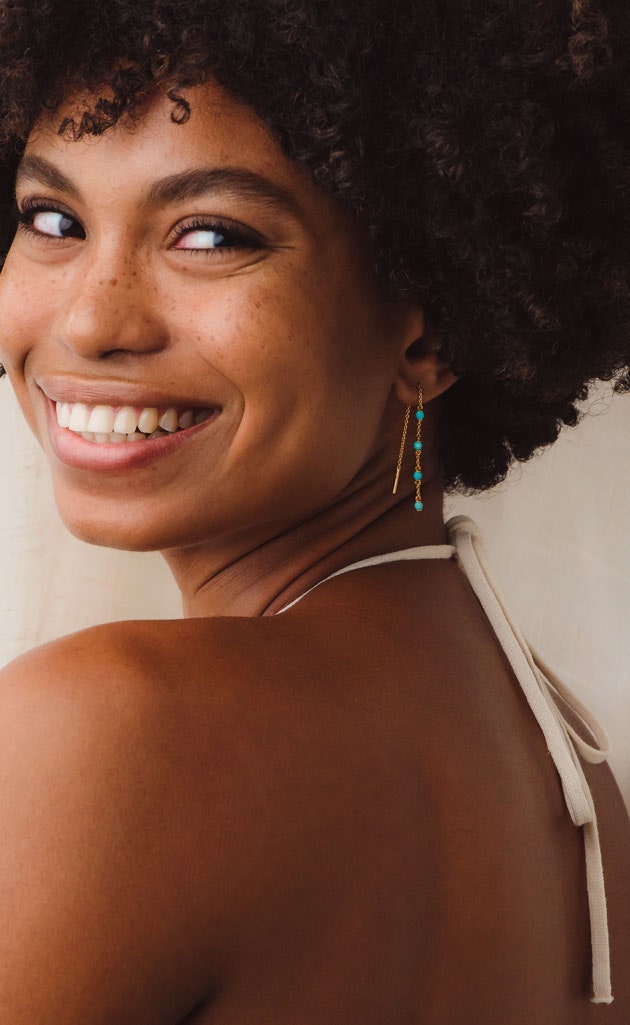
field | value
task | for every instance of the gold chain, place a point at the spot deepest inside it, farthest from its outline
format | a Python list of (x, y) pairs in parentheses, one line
[(402, 448), (417, 449)]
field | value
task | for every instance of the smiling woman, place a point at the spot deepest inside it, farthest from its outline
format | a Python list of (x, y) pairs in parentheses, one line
[(225, 290), (247, 246)]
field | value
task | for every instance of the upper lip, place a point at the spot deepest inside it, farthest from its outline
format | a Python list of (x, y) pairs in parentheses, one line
[(93, 391)]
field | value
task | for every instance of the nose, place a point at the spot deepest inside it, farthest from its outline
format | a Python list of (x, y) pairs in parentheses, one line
[(110, 308)]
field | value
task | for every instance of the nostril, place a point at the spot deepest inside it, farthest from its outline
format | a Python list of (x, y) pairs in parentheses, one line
[(113, 352)]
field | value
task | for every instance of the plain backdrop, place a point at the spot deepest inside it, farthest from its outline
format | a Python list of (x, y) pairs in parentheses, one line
[(556, 533)]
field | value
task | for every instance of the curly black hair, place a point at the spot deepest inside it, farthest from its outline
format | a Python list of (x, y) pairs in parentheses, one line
[(485, 144)]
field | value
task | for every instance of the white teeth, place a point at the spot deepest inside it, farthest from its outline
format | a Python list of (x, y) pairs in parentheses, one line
[(148, 420), (126, 420), (63, 414), (79, 417), (101, 420), (104, 424), (169, 421)]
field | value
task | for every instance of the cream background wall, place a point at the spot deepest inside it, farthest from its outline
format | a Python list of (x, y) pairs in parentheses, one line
[(557, 535)]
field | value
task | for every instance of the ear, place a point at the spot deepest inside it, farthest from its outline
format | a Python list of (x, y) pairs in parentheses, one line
[(419, 362)]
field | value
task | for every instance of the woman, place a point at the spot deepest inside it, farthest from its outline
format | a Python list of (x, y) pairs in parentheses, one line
[(252, 243)]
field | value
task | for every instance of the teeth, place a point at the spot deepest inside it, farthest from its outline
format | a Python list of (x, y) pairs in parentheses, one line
[(101, 420), (106, 425), (148, 420), (63, 414), (79, 417), (169, 421), (126, 420), (187, 419)]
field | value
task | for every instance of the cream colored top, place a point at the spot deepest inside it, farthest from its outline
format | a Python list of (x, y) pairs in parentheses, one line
[(537, 681)]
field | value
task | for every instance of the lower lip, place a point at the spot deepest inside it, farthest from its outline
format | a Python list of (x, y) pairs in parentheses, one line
[(73, 450)]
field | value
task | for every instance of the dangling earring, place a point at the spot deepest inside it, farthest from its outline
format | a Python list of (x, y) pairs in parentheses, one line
[(417, 445), (2, 370)]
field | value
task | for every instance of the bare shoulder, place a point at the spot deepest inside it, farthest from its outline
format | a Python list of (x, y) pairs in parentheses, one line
[(84, 699), (146, 809), (98, 922), (134, 672)]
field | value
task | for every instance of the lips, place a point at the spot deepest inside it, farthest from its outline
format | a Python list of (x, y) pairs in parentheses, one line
[(86, 454), (69, 397)]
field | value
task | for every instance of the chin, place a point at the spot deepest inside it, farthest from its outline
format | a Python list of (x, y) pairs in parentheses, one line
[(126, 527), (113, 524), (111, 535)]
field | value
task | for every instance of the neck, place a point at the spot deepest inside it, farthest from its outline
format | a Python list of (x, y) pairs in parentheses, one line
[(257, 576)]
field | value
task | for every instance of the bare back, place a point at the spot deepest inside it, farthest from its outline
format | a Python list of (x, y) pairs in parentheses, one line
[(377, 828)]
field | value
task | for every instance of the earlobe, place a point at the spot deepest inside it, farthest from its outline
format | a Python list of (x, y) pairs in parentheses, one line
[(420, 364)]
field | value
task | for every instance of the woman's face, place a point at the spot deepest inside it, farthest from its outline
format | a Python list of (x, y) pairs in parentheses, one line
[(193, 267)]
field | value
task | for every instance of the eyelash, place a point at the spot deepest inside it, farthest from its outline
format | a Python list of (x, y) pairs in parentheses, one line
[(25, 214), (239, 238), (244, 239)]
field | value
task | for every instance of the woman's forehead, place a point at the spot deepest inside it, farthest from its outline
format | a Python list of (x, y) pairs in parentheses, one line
[(215, 119), (220, 135)]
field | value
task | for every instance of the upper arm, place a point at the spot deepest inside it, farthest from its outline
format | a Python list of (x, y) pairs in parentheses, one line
[(91, 929)]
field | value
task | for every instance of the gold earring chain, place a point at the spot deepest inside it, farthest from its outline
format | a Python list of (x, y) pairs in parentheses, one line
[(402, 448)]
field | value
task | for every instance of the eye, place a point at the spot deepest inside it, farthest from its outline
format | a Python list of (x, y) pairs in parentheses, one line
[(45, 220), (206, 235)]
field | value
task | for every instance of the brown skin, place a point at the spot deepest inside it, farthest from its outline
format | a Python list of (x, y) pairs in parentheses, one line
[(343, 814)]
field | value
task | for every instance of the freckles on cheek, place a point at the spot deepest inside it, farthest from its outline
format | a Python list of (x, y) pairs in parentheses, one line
[(26, 301), (237, 334), (21, 312)]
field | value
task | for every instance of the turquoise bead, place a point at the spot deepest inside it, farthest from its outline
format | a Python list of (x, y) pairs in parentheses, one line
[(417, 445), (420, 414), (417, 475), (417, 506)]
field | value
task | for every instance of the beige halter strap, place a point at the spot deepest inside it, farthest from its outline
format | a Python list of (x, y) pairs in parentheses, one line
[(536, 680), (404, 555), (563, 742)]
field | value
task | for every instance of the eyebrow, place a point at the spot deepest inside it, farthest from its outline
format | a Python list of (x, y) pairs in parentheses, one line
[(236, 180), (37, 169), (179, 187)]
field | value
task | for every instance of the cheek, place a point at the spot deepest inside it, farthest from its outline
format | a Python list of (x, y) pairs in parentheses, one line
[(28, 304), (289, 344), (25, 313), (311, 379), (303, 381)]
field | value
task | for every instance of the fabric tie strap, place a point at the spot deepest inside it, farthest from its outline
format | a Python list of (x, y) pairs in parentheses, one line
[(536, 680), (563, 742)]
